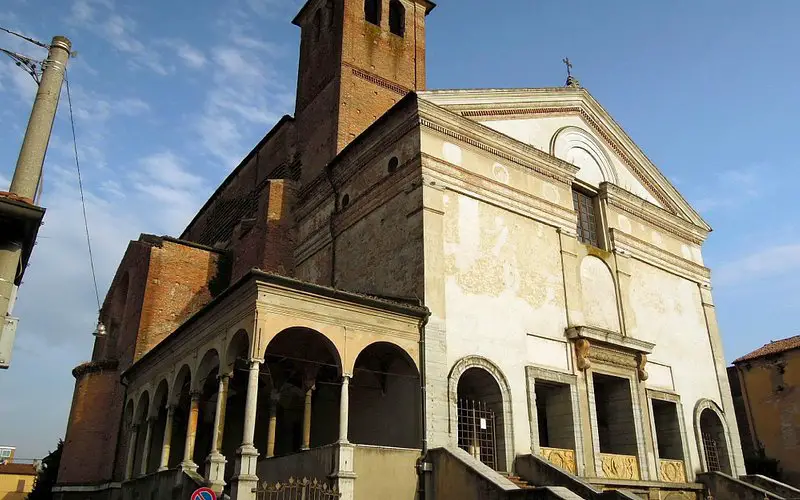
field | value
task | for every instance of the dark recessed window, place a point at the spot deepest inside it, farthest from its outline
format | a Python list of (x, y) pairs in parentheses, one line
[(393, 164), (587, 218), (345, 200), (372, 11), (397, 18)]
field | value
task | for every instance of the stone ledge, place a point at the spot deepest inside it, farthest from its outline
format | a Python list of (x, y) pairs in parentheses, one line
[(609, 337), (94, 367)]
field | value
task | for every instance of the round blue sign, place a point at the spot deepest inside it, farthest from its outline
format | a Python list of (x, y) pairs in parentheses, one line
[(204, 494)]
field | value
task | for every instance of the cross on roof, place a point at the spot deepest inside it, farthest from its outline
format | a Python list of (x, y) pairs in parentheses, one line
[(569, 66)]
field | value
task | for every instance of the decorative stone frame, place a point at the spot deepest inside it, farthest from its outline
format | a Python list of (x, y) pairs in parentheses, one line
[(614, 354), (672, 398), (699, 407), (532, 374), (458, 369)]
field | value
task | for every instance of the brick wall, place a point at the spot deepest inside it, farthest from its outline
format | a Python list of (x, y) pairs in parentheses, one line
[(238, 196), (91, 439), (177, 286)]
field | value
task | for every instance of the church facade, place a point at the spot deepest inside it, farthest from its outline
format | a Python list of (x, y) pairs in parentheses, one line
[(401, 292)]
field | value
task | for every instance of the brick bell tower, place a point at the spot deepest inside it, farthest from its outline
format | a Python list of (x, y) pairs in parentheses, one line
[(357, 59)]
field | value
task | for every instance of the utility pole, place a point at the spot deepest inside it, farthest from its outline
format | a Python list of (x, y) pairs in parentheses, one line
[(20, 217)]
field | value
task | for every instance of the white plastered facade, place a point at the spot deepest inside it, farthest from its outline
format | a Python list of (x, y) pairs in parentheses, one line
[(506, 278)]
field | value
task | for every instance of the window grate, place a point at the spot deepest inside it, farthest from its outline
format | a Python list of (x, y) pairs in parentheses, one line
[(476, 431), (587, 220), (712, 453)]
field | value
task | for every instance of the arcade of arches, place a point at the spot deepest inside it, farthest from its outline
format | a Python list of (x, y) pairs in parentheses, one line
[(298, 397)]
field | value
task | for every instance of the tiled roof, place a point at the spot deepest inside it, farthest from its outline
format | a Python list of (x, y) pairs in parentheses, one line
[(19, 469), (774, 347)]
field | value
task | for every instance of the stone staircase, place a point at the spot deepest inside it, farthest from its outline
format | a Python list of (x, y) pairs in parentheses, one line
[(521, 483)]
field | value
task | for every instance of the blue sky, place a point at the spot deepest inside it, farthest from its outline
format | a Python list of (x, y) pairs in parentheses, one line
[(169, 96)]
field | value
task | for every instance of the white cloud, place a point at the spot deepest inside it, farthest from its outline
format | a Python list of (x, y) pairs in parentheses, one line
[(732, 188), (770, 262), (101, 18), (191, 56)]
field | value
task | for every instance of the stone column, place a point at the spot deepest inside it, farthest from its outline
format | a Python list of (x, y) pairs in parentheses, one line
[(345, 474), (344, 409), (191, 433), (166, 444), (134, 436), (216, 460), (273, 422), (245, 478), (307, 419), (146, 452)]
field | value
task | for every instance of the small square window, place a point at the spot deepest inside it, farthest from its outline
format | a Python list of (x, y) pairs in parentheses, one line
[(587, 219)]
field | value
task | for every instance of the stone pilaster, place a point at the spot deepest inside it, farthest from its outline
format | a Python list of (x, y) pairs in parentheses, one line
[(737, 458), (570, 267), (273, 422)]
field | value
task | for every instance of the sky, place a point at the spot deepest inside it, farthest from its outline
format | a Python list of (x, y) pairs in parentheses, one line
[(169, 96)]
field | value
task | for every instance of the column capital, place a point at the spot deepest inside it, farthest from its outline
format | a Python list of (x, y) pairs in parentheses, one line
[(224, 376), (259, 361), (195, 395)]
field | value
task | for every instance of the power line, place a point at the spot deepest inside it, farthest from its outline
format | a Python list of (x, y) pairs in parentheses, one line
[(80, 186), (29, 64), (26, 38)]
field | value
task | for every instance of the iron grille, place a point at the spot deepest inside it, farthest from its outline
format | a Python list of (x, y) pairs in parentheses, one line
[(712, 453), (297, 489), (476, 432)]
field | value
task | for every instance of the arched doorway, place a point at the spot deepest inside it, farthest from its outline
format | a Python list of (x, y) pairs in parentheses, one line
[(142, 413), (305, 371), (181, 399), (207, 385), (159, 411), (714, 442), (483, 412), (385, 398)]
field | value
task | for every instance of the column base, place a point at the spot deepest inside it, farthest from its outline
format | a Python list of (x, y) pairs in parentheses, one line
[(216, 471), (345, 475), (188, 467), (245, 479)]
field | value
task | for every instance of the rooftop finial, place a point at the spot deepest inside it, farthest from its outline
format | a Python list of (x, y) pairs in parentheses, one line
[(571, 80)]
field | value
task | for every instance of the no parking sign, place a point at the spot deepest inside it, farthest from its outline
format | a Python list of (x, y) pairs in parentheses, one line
[(204, 494)]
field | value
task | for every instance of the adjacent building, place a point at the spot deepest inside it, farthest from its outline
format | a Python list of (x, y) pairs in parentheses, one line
[(404, 292), (767, 383), (16, 480)]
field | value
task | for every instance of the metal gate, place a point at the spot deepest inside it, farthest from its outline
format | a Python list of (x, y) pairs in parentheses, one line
[(476, 431), (712, 453), (297, 489)]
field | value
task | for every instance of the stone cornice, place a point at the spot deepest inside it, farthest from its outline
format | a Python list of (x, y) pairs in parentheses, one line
[(510, 103), (496, 193), (610, 338), (653, 214), (651, 254), (95, 367), (479, 136)]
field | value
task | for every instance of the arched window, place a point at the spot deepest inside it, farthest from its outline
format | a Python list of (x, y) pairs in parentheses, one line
[(397, 18), (372, 11)]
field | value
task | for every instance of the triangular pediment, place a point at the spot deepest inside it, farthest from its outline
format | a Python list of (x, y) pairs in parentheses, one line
[(570, 124)]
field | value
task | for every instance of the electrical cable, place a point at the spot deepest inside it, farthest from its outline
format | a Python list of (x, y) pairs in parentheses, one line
[(80, 186), (27, 39)]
